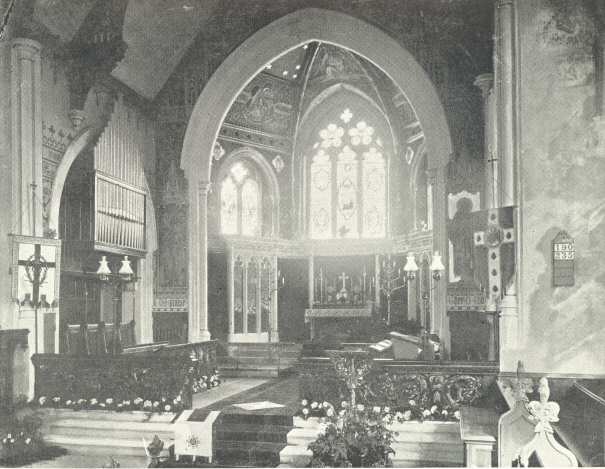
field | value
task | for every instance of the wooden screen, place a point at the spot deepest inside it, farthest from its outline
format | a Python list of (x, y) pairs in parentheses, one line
[(120, 181)]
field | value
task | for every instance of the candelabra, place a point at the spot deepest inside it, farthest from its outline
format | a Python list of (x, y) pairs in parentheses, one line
[(118, 281), (389, 282)]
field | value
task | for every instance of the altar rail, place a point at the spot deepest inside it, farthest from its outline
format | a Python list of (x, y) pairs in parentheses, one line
[(396, 382), (149, 375)]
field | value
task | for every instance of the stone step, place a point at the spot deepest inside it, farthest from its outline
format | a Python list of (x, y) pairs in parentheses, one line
[(114, 447), (439, 452), (426, 427), (399, 462), (253, 372), (125, 430), (131, 416), (295, 456)]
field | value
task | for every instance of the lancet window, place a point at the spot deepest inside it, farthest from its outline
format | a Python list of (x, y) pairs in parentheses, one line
[(240, 195), (348, 182)]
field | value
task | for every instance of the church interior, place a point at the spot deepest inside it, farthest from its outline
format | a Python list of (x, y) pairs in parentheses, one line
[(239, 216)]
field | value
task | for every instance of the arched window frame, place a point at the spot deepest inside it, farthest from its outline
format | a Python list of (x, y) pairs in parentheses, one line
[(267, 185), (315, 154)]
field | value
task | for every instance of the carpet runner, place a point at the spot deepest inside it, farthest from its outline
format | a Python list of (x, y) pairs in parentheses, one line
[(246, 437)]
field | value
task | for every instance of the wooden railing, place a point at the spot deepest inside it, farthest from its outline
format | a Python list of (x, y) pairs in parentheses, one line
[(149, 375), (396, 382)]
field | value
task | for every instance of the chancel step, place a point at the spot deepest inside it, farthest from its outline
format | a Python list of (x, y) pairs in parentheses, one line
[(262, 360), (107, 434)]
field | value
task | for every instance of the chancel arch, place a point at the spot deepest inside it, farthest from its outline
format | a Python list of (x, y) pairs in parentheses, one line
[(302, 29)]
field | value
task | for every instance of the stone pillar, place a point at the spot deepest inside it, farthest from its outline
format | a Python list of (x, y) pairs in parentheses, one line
[(26, 131), (198, 262), (7, 307), (230, 291), (412, 300), (505, 66), (377, 271), (311, 282), (491, 191), (438, 307), (274, 324)]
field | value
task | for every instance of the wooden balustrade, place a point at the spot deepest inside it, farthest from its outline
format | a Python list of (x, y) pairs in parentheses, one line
[(148, 374), (170, 327), (395, 382)]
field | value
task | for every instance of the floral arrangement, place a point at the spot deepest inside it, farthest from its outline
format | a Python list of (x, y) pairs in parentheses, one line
[(21, 441), (162, 404), (355, 436), (410, 412)]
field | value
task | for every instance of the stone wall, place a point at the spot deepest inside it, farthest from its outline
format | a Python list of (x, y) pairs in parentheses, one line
[(561, 181)]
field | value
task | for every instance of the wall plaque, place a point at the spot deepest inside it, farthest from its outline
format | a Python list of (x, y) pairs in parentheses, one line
[(563, 258)]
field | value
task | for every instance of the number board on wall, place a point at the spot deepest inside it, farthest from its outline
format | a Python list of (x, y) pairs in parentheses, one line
[(564, 253)]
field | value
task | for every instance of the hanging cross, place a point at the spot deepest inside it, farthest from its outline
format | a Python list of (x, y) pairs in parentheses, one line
[(36, 268), (495, 236)]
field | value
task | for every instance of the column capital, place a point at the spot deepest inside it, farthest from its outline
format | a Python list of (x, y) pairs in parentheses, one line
[(484, 82), (27, 48)]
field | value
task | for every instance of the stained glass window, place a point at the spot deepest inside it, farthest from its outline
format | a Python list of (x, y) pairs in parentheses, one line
[(348, 182), (250, 208), (240, 202), (229, 202)]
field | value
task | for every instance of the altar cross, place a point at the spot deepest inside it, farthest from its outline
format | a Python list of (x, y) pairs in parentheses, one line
[(498, 233), (343, 278)]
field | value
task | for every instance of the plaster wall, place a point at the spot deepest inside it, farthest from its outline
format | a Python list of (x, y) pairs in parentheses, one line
[(561, 187)]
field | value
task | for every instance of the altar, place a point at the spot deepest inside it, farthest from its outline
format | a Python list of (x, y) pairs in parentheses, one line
[(312, 314)]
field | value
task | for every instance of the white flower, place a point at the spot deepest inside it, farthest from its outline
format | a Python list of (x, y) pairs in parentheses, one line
[(68, 402), (346, 115), (376, 409), (444, 412), (167, 408), (387, 409), (4, 440), (119, 406), (330, 412), (398, 415), (304, 402), (156, 404), (93, 401), (305, 411), (344, 404), (407, 415), (360, 407), (109, 401), (138, 400), (9, 436), (28, 441), (412, 402), (178, 398), (42, 400), (433, 409), (457, 415), (12, 440), (126, 402), (426, 413), (102, 404), (342, 412), (81, 401), (314, 405), (325, 405), (56, 399)]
